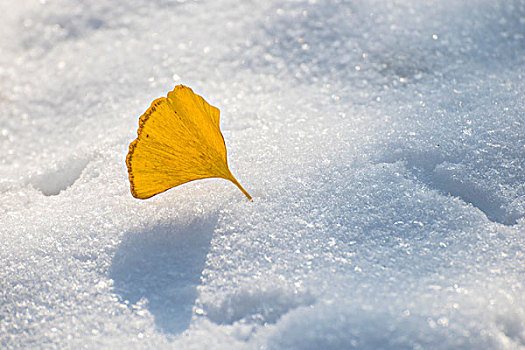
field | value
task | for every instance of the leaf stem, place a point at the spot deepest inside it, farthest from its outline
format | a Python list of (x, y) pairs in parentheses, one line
[(241, 188)]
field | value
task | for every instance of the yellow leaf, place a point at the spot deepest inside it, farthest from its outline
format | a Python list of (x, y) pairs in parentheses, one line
[(178, 141)]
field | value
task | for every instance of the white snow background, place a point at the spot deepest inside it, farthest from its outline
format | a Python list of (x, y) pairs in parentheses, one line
[(383, 143)]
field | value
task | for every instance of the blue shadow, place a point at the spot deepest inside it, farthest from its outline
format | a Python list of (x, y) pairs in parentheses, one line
[(163, 265)]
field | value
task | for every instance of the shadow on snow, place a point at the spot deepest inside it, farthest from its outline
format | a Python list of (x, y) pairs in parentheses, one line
[(162, 266)]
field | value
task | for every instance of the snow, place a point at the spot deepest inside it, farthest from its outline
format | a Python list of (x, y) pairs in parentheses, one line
[(383, 143)]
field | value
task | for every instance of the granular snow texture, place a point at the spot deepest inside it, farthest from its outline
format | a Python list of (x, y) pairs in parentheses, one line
[(383, 143)]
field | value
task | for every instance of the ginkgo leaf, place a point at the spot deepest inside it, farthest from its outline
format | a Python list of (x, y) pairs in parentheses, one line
[(178, 141)]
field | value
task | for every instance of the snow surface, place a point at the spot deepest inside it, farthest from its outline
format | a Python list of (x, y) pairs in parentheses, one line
[(383, 143)]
